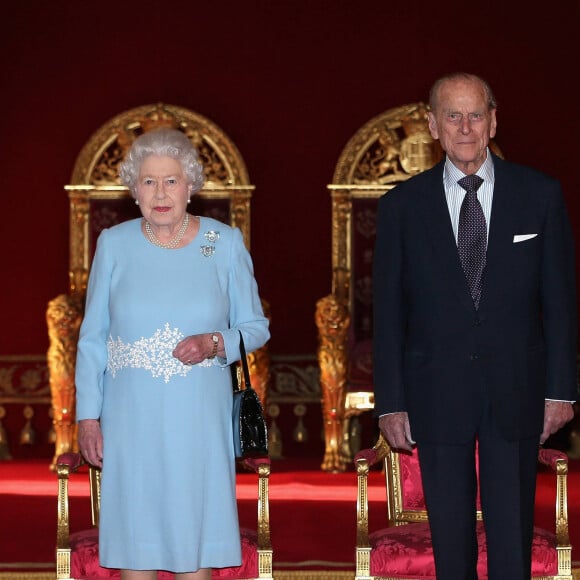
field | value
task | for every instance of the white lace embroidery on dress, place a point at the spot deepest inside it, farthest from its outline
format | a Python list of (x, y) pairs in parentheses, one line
[(152, 354)]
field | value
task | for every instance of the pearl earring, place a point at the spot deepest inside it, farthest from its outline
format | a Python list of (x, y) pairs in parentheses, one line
[(136, 202)]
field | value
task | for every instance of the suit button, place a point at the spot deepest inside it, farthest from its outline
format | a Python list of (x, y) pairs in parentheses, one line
[(477, 322), (474, 356)]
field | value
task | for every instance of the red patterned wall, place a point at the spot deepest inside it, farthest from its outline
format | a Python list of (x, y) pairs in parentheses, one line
[(290, 81)]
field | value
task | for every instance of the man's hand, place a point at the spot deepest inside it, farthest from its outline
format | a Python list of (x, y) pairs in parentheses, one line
[(556, 415), (90, 441), (396, 430)]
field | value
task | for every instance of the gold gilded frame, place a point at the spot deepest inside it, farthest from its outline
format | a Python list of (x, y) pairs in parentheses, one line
[(387, 150), (399, 516), (70, 464), (94, 180), (95, 173)]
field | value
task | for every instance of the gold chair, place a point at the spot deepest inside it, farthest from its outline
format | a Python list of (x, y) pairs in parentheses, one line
[(403, 549), (77, 554), (98, 201), (384, 152)]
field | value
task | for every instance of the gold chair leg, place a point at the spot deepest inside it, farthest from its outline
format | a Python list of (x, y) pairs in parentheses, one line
[(332, 320)]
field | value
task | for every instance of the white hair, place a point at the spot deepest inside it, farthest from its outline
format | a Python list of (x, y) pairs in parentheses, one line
[(461, 76), (166, 143)]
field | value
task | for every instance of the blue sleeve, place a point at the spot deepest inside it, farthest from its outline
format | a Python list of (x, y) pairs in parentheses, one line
[(246, 312), (91, 360)]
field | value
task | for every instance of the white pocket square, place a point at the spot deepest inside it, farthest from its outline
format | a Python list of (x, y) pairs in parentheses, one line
[(523, 237)]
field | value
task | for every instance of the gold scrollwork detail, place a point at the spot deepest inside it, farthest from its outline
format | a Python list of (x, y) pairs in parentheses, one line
[(97, 164), (332, 320), (389, 148), (63, 317)]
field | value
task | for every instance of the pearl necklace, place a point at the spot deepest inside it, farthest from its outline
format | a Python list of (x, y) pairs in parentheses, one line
[(171, 244)]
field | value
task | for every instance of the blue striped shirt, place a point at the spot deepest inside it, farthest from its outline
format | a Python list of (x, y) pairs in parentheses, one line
[(455, 194)]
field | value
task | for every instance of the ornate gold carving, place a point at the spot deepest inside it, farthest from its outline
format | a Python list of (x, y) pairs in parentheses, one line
[(389, 148), (23, 379), (97, 163), (341, 244), (294, 383), (63, 318), (395, 475), (63, 548), (332, 319)]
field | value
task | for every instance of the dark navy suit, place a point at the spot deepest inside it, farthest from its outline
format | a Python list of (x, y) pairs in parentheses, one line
[(464, 374)]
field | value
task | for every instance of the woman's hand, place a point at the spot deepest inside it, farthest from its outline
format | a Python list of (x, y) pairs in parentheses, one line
[(196, 348), (90, 441)]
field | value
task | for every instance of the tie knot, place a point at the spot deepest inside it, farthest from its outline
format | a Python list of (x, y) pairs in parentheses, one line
[(470, 183)]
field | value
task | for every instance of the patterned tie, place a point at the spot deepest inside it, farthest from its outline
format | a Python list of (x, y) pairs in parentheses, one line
[(472, 236)]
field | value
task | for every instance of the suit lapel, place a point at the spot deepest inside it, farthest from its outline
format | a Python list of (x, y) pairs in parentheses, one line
[(435, 214), (504, 215)]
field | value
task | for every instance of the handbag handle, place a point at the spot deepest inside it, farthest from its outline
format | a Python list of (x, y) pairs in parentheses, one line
[(244, 359)]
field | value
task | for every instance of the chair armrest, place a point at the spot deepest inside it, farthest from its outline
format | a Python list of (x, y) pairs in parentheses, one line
[(70, 460), (363, 461), (256, 464), (557, 461), (374, 455)]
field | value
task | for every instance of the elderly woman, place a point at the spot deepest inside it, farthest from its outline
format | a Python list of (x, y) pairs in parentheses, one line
[(167, 296)]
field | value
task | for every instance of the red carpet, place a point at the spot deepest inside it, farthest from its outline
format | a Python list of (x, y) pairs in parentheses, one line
[(312, 514)]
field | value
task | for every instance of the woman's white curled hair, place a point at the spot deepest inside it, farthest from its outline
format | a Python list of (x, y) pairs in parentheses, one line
[(165, 143)]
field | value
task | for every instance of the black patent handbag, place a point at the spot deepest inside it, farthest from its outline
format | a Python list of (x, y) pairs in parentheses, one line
[(249, 426)]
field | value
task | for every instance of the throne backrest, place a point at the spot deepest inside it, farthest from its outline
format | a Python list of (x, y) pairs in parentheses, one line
[(387, 150), (98, 200)]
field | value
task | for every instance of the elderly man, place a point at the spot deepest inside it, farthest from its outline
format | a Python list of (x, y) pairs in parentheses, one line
[(475, 331)]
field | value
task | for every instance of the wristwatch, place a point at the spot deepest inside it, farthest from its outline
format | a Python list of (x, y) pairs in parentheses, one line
[(215, 339)]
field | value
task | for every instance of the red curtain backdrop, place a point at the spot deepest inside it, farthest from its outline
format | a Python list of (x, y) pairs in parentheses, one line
[(290, 81)]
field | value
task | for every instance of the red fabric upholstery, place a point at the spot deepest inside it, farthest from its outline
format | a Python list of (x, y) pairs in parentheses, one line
[(406, 551), (73, 460), (411, 484), (369, 454), (253, 463), (550, 456), (85, 559)]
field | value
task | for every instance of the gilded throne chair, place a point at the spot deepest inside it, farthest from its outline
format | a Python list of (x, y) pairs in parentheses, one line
[(387, 150), (98, 201), (77, 550), (402, 549)]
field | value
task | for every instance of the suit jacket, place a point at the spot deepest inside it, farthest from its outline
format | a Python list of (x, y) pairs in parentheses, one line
[(439, 358)]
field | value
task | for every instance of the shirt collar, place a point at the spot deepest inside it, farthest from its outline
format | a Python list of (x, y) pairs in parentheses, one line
[(451, 174)]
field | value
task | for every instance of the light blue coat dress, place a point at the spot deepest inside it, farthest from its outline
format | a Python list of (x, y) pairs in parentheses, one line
[(168, 481)]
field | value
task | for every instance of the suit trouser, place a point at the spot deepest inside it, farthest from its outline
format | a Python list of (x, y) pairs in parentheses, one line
[(507, 475)]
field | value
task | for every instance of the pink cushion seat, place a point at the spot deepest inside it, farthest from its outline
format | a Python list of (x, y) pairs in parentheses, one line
[(404, 551)]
